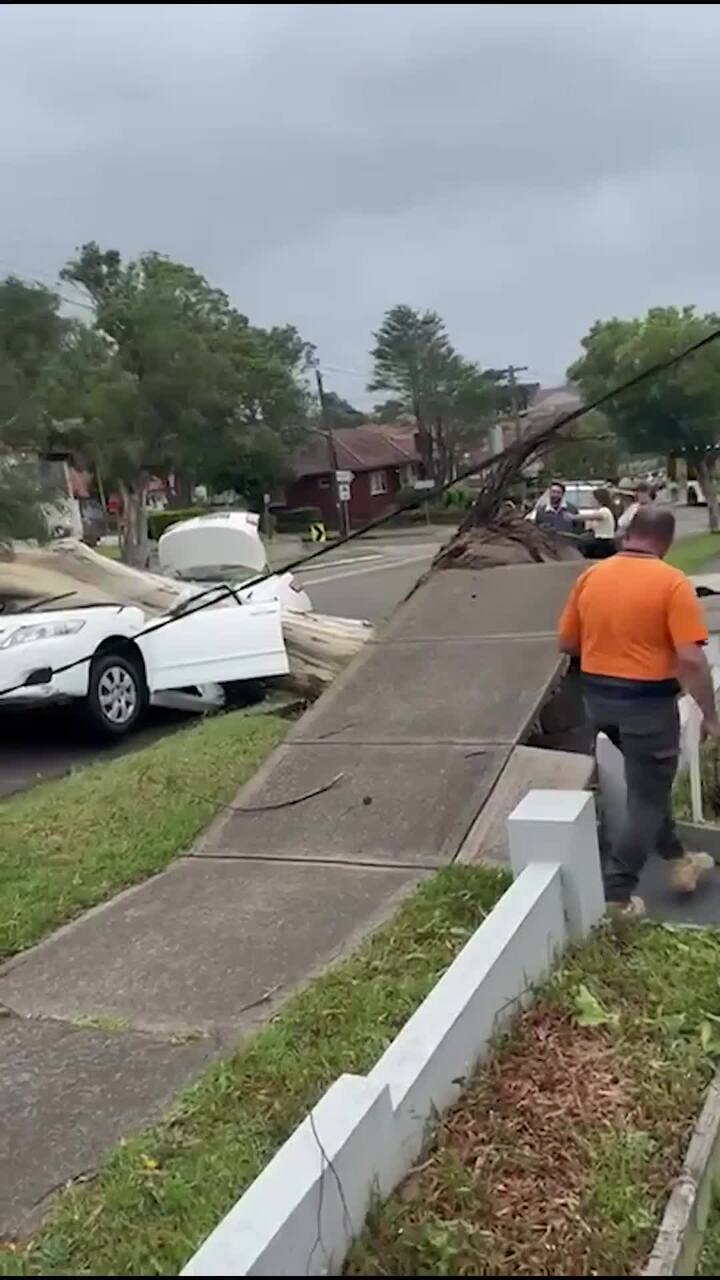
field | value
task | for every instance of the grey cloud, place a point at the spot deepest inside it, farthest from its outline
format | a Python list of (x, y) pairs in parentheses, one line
[(521, 168)]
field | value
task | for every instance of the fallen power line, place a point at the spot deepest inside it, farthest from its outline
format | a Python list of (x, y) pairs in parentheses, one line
[(506, 461)]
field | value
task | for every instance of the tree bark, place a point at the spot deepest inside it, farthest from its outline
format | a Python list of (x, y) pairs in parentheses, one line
[(706, 476), (181, 495), (134, 541)]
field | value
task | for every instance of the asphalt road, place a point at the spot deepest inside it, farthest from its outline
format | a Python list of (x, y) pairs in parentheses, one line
[(49, 743)]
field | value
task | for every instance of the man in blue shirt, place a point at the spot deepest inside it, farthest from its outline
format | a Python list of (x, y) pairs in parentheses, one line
[(558, 514)]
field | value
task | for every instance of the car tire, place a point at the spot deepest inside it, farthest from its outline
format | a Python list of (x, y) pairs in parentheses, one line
[(117, 695)]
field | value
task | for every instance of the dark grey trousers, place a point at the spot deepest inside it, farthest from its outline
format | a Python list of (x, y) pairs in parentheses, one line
[(647, 731)]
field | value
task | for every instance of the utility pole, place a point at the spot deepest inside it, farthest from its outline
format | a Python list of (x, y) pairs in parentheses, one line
[(510, 372), (332, 452)]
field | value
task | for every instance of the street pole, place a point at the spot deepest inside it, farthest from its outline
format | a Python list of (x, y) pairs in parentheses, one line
[(332, 451), (510, 373), (511, 370)]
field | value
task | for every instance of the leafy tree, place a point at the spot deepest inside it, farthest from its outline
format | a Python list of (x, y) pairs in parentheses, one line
[(32, 334), (389, 410), (676, 412), (34, 338), (24, 502), (178, 380), (341, 413), (588, 450), (503, 397), (413, 359)]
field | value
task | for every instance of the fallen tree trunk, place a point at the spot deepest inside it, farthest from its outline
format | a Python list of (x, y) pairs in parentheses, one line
[(318, 646)]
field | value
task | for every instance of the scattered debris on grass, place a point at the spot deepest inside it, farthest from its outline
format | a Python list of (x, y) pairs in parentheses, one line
[(560, 1157), (160, 1193)]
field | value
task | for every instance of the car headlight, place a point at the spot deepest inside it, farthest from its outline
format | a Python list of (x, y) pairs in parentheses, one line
[(42, 631)]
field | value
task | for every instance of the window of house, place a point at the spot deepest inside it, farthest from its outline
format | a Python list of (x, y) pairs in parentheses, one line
[(324, 482), (378, 482)]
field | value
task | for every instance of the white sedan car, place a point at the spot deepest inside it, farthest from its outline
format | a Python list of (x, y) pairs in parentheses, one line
[(115, 660)]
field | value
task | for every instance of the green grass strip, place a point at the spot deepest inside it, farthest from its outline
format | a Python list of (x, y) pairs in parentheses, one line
[(160, 1193), (69, 844), (693, 553)]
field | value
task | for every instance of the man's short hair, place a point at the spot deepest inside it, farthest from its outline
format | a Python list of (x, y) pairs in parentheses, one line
[(642, 486), (557, 484), (652, 524)]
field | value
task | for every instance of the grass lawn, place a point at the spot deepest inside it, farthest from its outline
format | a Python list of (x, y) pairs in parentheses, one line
[(110, 550), (709, 1260), (71, 843), (560, 1157), (691, 554), (160, 1193)]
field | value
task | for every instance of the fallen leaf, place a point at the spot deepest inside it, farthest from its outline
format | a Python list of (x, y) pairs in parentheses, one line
[(710, 1038), (588, 1010)]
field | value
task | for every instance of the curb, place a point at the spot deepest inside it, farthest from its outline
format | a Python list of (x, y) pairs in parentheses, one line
[(680, 1237)]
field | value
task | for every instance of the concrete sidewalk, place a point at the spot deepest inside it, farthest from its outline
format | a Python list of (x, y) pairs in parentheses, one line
[(376, 786)]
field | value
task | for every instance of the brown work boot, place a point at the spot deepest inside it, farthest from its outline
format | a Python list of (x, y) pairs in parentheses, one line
[(686, 872), (633, 909)]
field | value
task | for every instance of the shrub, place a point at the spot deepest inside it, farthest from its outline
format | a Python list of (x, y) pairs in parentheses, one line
[(159, 521), (297, 519)]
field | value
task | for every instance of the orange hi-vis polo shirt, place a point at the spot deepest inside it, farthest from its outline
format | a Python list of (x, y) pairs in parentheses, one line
[(627, 615)]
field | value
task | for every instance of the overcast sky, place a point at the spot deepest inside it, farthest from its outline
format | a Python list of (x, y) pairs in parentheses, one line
[(522, 169)]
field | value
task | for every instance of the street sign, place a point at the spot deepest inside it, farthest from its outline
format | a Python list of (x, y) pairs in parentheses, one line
[(344, 492), (344, 477), (424, 484)]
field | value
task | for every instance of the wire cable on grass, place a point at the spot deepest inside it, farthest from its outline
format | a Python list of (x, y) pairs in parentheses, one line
[(506, 461)]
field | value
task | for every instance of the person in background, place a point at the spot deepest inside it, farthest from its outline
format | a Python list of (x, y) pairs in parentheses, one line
[(638, 630), (557, 514), (644, 497), (602, 522)]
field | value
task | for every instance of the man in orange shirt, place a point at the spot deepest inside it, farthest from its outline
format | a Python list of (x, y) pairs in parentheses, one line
[(637, 627)]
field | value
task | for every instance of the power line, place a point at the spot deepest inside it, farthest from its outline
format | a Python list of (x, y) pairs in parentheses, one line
[(520, 451)]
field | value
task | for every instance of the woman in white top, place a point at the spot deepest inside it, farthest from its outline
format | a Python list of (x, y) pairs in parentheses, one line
[(601, 520), (600, 517)]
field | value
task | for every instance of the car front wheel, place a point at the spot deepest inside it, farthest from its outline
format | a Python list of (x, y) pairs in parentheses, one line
[(117, 696)]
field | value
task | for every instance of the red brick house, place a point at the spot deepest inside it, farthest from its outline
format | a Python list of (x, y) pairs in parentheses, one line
[(383, 460)]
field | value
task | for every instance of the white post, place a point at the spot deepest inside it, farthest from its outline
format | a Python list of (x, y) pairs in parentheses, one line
[(560, 826)]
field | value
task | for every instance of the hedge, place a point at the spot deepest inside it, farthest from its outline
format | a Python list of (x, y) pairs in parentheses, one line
[(298, 519), (159, 521)]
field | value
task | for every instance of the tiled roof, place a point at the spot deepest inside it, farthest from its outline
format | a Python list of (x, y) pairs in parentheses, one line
[(366, 448)]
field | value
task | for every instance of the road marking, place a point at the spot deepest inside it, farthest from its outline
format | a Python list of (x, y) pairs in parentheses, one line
[(336, 564), (373, 568)]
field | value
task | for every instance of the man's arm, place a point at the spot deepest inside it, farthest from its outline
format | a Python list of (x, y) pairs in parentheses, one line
[(569, 627), (689, 634), (695, 675)]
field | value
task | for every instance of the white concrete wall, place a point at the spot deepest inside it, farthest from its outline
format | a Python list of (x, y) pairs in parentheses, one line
[(301, 1214), (441, 1044)]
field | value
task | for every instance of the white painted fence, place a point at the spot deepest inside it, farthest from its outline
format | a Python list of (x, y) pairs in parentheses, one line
[(302, 1213)]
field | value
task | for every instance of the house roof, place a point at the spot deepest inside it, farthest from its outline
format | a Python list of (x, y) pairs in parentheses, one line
[(369, 447)]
